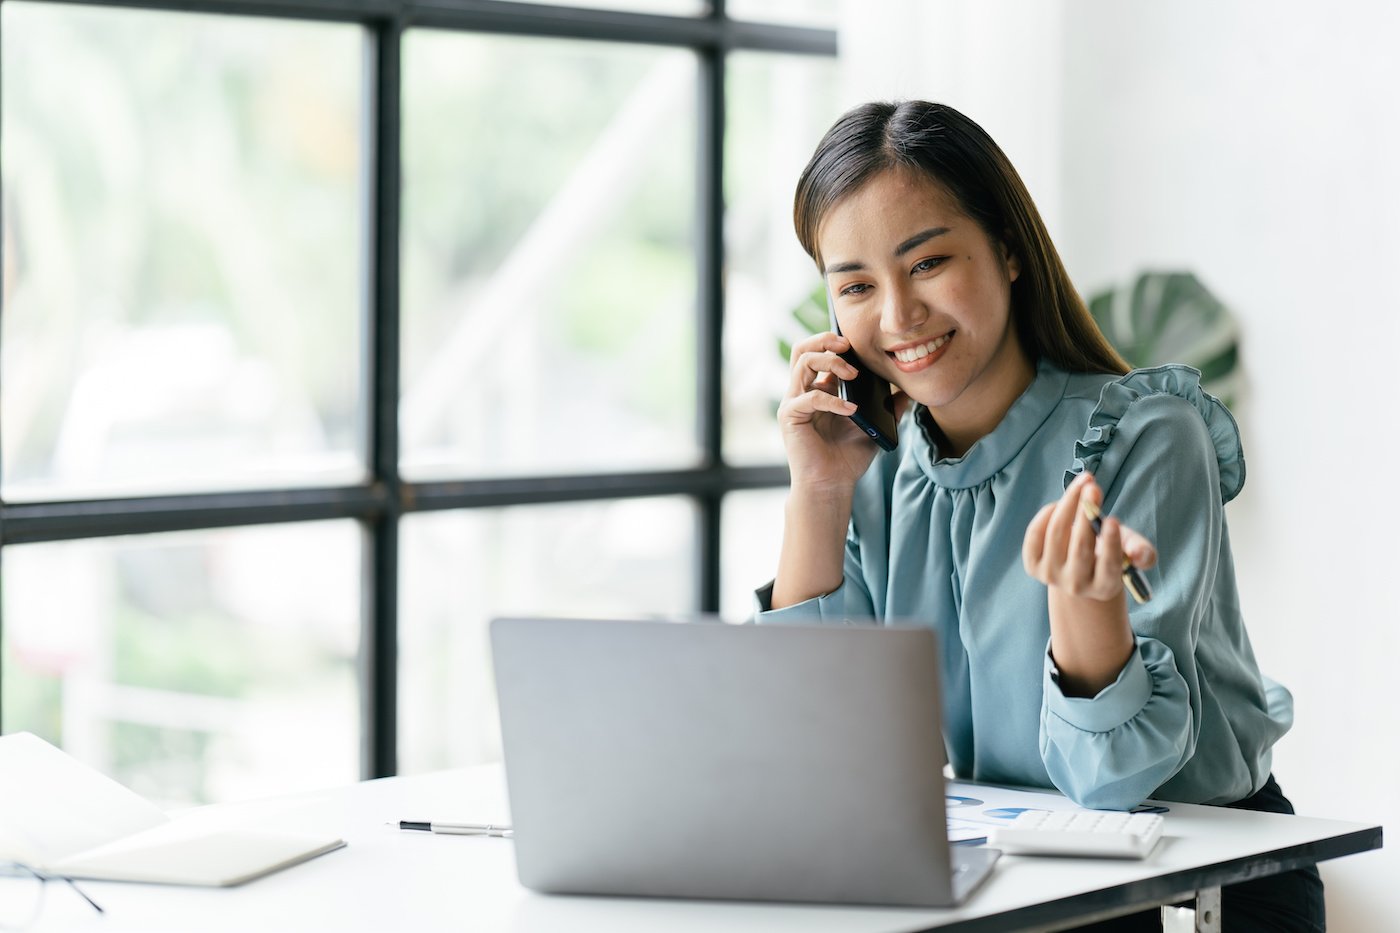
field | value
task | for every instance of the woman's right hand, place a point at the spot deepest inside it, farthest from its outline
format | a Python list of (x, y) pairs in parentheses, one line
[(826, 451)]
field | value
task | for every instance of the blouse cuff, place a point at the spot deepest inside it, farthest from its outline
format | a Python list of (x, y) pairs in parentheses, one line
[(1114, 705), (828, 608)]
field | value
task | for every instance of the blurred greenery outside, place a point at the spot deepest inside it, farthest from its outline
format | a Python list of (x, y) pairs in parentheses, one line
[(143, 152), (174, 655), (577, 278), (155, 645), (183, 264)]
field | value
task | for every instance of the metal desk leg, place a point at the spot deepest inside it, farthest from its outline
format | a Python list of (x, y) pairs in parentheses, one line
[(1202, 917), (1208, 910)]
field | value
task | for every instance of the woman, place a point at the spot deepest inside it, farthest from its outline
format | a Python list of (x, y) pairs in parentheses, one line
[(1016, 417)]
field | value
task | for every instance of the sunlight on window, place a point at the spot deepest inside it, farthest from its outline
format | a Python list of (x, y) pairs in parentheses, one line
[(185, 200), (815, 14), (630, 558), (665, 7), (195, 667), (778, 107), (548, 256), (752, 533), (182, 244)]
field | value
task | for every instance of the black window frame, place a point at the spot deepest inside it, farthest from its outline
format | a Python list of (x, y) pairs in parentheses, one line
[(383, 497)]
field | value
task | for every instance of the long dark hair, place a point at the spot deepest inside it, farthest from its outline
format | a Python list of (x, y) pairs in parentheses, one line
[(939, 142)]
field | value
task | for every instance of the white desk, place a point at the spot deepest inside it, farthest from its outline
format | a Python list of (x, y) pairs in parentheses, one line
[(391, 880)]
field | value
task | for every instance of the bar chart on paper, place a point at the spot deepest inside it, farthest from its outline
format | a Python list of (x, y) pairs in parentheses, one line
[(974, 810)]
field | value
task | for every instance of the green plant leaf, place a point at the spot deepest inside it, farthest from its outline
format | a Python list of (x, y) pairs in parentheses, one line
[(1170, 317), (811, 312)]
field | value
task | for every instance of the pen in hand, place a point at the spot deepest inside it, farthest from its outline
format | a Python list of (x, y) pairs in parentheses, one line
[(1132, 576), (460, 829)]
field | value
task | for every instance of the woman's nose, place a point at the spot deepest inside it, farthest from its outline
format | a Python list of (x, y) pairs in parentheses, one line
[(903, 311)]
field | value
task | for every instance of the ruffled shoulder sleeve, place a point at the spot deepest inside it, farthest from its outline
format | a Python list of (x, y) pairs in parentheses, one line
[(1117, 399)]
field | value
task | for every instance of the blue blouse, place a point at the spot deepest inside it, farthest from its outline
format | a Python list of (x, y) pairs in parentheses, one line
[(1190, 717)]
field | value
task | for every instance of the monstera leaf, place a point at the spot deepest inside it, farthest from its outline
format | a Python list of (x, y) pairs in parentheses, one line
[(1170, 317)]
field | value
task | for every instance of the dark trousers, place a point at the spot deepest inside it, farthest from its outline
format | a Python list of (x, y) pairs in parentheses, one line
[(1290, 902)]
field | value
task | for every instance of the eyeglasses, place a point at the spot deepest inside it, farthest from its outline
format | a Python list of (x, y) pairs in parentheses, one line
[(22, 892)]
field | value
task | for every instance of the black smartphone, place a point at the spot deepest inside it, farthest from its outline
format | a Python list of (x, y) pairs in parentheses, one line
[(874, 412)]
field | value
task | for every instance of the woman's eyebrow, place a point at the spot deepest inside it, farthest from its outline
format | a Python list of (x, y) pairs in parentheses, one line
[(843, 267), (919, 238), (923, 236)]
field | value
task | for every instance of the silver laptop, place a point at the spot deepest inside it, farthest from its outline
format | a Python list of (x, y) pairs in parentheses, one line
[(704, 760)]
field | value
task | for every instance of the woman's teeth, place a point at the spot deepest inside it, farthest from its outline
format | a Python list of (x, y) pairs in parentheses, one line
[(922, 350)]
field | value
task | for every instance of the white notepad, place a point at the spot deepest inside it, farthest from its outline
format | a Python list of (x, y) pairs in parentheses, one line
[(59, 816)]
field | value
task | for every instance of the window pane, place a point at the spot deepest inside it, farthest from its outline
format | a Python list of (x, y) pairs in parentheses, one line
[(664, 7), (627, 558), (751, 536), (548, 259), (182, 251), (779, 106), (816, 14), (193, 667)]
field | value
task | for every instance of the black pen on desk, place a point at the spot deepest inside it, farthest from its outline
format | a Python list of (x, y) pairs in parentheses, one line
[(459, 829), (1132, 577)]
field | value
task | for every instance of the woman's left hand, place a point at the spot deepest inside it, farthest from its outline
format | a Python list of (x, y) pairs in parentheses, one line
[(1061, 550), (1090, 635)]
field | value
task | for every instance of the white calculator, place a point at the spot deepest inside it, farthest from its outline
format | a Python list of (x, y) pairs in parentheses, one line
[(1091, 833)]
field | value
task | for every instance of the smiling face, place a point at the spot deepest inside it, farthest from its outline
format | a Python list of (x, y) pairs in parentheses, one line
[(924, 296)]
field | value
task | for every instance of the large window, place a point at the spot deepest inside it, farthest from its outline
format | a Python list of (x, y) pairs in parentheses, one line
[(325, 339)]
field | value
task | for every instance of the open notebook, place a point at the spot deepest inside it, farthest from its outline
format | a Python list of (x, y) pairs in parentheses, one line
[(59, 816)]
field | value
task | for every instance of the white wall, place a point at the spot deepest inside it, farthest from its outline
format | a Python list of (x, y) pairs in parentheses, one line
[(1258, 145), (998, 61)]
